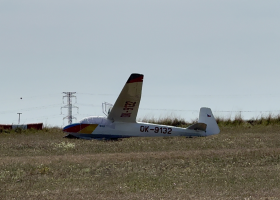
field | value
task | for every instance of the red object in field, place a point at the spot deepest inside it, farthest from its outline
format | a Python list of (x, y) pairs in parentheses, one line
[(5, 126), (37, 126)]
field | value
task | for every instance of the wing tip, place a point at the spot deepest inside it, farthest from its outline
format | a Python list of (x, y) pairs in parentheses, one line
[(135, 78)]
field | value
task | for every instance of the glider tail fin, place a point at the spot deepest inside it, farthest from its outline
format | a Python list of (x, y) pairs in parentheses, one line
[(206, 116)]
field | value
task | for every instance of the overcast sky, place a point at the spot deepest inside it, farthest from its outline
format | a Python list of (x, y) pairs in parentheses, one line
[(214, 53)]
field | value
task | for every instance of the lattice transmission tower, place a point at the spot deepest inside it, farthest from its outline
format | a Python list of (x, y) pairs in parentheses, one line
[(69, 96)]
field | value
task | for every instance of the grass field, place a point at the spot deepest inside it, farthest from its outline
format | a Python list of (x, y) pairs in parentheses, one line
[(242, 162)]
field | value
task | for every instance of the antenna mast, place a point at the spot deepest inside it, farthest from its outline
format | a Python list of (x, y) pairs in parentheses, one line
[(69, 96)]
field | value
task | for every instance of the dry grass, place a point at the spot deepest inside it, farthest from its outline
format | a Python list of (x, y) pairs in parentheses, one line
[(237, 120), (242, 162)]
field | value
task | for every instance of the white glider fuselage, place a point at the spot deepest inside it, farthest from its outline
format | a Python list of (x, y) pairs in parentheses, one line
[(138, 129), (156, 130)]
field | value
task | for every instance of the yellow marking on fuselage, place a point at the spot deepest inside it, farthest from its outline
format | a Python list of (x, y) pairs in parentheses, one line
[(89, 129)]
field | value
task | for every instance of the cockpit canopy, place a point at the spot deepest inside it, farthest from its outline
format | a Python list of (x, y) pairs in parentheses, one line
[(96, 120)]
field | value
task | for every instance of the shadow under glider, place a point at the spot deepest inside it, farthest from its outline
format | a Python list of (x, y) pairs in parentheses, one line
[(121, 120)]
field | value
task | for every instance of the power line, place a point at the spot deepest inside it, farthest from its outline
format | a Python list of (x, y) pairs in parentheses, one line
[(29, 109), (191, 95)]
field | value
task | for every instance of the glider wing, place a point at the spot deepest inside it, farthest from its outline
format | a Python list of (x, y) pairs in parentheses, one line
[(126, 106)]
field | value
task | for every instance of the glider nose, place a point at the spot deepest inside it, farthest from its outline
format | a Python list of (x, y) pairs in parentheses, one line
[(72, 128)]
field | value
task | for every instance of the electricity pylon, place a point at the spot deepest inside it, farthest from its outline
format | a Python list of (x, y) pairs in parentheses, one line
[(69, 105)]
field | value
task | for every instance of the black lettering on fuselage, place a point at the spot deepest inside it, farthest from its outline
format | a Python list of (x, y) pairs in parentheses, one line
[(144, 129)]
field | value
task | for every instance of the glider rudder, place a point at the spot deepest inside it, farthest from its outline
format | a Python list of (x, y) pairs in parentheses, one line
[(206, 116)]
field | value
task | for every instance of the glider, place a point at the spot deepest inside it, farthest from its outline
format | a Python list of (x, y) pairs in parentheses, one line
[(121, 120)]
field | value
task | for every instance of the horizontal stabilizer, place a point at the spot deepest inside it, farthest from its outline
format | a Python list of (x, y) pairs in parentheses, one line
[(198, 127)]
